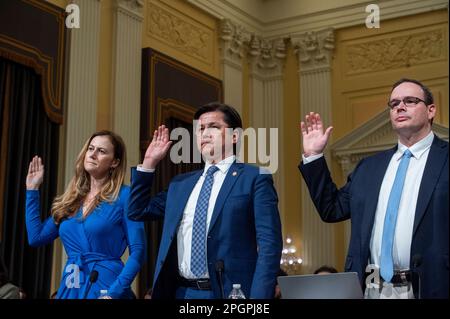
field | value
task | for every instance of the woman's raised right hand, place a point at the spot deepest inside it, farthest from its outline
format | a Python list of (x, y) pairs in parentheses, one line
[(35, 174)]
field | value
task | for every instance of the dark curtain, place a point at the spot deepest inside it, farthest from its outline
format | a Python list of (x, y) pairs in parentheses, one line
[(29, 133), (165, 171)]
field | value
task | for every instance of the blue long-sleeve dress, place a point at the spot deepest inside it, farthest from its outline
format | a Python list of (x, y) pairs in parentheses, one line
[(93, 243)]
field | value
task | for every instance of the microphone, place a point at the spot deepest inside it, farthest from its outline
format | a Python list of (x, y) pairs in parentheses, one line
[(220, 269), (417, 261), (92, 278)]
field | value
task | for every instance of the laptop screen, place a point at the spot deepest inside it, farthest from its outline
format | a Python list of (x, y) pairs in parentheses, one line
[(343, 285)]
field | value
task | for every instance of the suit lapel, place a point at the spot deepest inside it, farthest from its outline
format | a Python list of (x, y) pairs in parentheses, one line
[(181, 196), (232, 175), (431, 173)]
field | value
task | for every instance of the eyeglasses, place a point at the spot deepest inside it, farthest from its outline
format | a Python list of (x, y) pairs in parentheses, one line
[(409, 101)]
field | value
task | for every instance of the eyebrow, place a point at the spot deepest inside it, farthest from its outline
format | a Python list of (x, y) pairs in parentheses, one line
[(98, 147), (210, 123)]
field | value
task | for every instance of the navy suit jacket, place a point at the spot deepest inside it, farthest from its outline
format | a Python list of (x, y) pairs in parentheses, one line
[(358, 200), (244, 232)]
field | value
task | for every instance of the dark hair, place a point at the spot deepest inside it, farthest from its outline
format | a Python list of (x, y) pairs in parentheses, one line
[(325, 268), (230, 115), (281, 272), (426, 91)]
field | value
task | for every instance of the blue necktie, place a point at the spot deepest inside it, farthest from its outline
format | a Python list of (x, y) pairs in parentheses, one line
[(390, 220), (198, 246)]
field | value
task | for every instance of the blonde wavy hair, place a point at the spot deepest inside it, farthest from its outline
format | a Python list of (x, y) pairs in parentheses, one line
[(68, 203)]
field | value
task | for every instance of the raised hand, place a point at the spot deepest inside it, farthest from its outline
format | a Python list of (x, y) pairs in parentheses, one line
[(314, 139), (158, 147), (35, 174)]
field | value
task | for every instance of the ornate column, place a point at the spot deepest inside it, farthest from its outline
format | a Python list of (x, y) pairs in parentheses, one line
[(266, 60), (82, 82), (314, 50), (82, 93), (232, 50), (126, 74), (126, 77)]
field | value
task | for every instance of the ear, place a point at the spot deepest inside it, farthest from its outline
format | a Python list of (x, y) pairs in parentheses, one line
[(115, 163), (235, 137), (431, 111)]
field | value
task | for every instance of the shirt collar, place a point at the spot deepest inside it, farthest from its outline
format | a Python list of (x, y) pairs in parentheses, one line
[(418, 149), (224, 165)]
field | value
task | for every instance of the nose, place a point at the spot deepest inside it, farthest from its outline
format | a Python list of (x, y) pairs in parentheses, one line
[(206, 133), (401, 106)]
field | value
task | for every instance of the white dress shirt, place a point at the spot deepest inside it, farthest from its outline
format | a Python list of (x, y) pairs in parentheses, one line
[(184, 236), (408, 202)]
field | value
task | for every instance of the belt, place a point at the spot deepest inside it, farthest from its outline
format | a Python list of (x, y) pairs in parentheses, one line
[(199, 284), (402, 277)]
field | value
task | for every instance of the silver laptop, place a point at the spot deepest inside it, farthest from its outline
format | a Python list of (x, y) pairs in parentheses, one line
[(342, 285)]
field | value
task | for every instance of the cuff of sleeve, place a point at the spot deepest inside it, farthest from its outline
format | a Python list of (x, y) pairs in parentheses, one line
[(32, 193), (311, 158), (146, 170)]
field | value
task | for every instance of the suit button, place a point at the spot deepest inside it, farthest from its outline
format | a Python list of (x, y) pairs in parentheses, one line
[(209, 237)]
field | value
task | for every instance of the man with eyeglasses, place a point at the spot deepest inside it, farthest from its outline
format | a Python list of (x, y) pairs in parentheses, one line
[(397, 200)]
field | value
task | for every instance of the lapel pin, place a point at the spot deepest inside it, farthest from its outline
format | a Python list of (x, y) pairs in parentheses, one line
[(234, 173)]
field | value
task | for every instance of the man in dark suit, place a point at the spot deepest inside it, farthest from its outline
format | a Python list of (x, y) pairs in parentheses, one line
[(221, 224), (397, 200)]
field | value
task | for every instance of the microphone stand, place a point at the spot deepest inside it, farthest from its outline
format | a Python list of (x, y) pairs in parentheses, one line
[(92, 278), (417, 261), (219, 270)]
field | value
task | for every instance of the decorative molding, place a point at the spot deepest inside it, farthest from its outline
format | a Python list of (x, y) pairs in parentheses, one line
[(267, 57), (396, 52), (132, 8), (314, 49), (233, 38), (345, 16), (177, 31), (25, 46)]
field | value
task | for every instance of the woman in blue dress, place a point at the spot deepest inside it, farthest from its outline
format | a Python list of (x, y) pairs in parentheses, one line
[(91, 220)]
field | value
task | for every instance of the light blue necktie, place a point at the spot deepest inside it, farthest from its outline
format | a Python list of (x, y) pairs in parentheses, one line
[(198, 246), (390, 220)]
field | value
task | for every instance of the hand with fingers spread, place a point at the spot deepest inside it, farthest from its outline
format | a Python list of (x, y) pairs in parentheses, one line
[(314, 139), (35, 174), (158, 148)]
